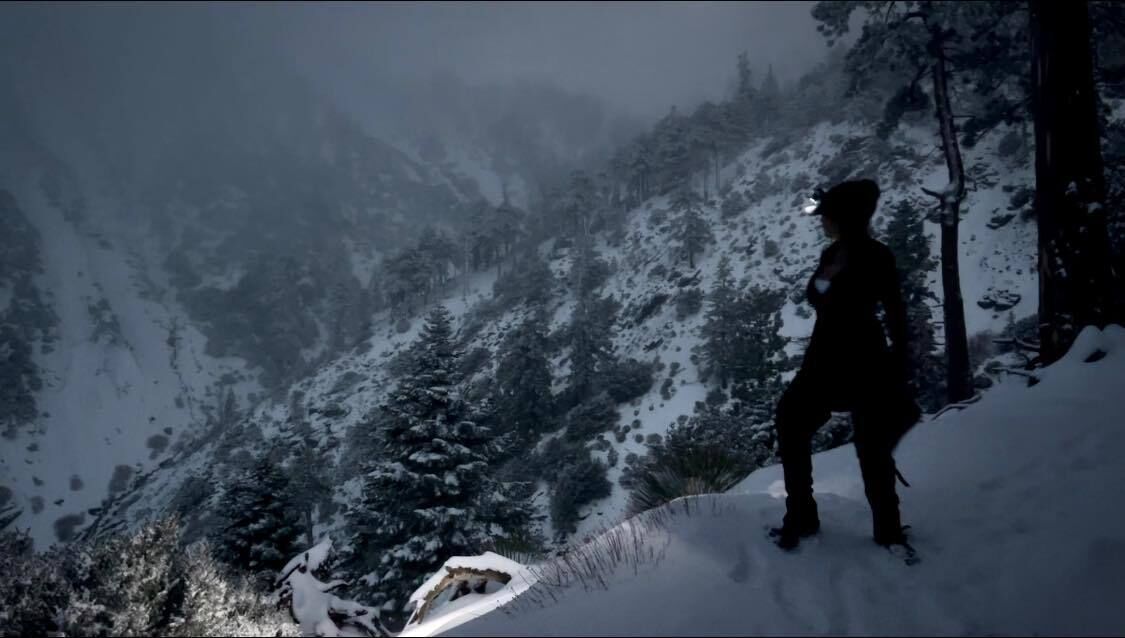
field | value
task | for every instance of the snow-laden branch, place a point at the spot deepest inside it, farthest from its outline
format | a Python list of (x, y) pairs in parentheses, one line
[(319, 612)]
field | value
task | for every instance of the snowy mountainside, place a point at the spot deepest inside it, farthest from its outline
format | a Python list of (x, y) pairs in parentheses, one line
[(770, 244), (125, 379), (1009, 515), (468, 170), (144, 314)]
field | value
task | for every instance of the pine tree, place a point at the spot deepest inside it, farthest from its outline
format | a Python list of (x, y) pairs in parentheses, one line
[(309, 477), (768, 109), (738, 114), (745, 88), (591, 345), (530, 282), (523, 379), (261, 528), (906, 238), (673, 152), (692, 231), (718, 329), (742, 343), (421, 499), (579, 205), (509, 225), (590, 332), (712, 135)]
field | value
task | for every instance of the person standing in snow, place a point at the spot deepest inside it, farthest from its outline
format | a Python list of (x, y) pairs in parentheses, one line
[(849, 366)]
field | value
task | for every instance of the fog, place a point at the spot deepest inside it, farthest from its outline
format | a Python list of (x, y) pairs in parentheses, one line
[(81, 61)]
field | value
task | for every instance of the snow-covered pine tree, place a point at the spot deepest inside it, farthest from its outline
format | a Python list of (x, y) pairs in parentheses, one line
[(691, 230), (420, 499), (261, 526)]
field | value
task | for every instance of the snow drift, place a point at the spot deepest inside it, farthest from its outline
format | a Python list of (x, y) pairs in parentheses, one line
[(1015, 512)]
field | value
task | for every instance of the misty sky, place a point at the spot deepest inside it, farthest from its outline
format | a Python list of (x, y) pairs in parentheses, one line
[(639, 56)]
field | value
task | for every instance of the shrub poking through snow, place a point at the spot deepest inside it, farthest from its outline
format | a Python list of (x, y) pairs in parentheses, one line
[(684, 472)]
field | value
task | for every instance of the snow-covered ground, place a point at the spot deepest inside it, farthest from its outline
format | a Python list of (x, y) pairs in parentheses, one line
[(1015, 512), (126, 380)]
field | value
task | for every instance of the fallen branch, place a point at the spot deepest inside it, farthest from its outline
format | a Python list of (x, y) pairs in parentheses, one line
[(456, 576), (960, 405)]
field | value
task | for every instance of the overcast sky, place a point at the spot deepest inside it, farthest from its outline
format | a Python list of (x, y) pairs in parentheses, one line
[(644, 56), (640, 56)]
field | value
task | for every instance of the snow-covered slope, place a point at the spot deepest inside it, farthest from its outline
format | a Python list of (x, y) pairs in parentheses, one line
[(125, 380), (1014, 508), (341, 393), (159, 318)]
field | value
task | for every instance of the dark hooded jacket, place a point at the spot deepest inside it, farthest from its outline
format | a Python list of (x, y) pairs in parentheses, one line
[(848, 338), (854, 358)]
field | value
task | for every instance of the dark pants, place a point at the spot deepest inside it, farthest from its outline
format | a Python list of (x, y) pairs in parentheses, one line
[(804, 407)]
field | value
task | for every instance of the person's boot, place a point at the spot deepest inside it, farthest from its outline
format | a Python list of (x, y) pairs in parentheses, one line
[(798, 522), (888, 527)]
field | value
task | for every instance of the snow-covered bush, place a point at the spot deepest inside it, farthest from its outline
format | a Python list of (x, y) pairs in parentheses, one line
[(708, 453), (127, 585), (697, 470), (33, 587), (217, 603), (311, 603), (145, 584)]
